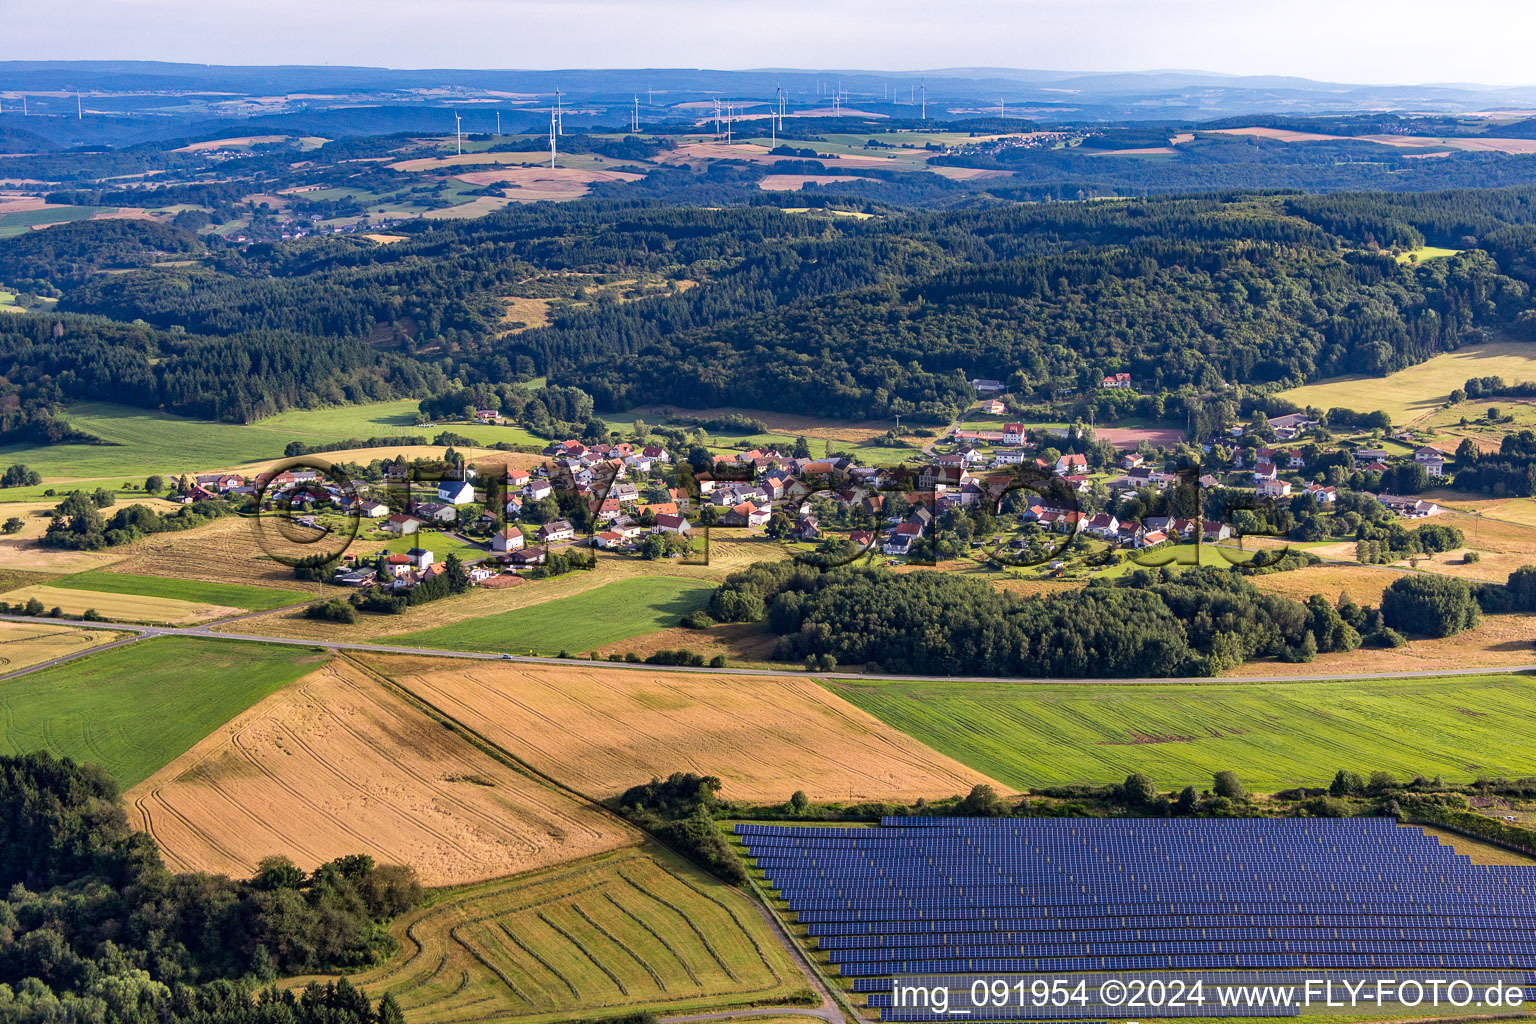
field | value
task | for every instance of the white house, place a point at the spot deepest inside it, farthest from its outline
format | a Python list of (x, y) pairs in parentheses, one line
[(455, 492), (1432, 460), (508, 539), (557, 530), (1071, 463), (401, 524), (666, 523)]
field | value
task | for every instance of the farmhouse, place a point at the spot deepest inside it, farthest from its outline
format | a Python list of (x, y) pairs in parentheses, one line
[(1071, 463), (1104, 526), (523, 558), (1409, 507), (1118, 380), (401, 524), (508, 539), (901, 537), (1432, 460), (455, 492), (558, 530), (671, 523), (434, 512)]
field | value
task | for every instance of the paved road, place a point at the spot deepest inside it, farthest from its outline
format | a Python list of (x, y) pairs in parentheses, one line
[(208, 630)]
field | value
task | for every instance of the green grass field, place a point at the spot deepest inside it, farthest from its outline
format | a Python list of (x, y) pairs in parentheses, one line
[(602, 937), (1274, 735), (1420, 390), (579, 623), (230, 595), (141, 441), (440, 544), (1426, 252), (135, 709), (22, 221)]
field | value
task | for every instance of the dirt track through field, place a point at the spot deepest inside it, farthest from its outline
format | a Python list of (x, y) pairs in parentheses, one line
[(339, 764), (601, 730)]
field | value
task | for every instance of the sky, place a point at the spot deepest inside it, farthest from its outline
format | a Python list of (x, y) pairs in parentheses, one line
[(1364, 41)]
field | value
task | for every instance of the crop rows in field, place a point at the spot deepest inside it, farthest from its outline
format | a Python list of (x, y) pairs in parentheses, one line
[(636, 929)]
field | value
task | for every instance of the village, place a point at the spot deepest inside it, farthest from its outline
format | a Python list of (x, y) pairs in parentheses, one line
[(984, 492)]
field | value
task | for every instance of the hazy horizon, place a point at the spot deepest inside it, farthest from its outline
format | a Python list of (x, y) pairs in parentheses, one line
[(1366, 42)]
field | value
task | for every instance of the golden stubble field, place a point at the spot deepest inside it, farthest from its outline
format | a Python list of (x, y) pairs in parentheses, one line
[(338, 763), (600, 730), (22, 550), (122, 607), (24, 644)]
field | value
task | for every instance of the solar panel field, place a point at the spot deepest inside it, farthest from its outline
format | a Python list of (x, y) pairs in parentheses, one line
[(932, 898)]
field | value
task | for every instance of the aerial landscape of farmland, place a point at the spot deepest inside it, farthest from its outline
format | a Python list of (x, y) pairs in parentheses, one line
[(651, 513)]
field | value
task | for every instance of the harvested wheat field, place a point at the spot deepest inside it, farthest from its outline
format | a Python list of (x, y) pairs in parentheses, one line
[(535, 184), (1363, 583), (851, 431), (1500, 640), (225, 551), (605, 936), (338, 763), (601, 730), (1502, 547), (474, 456), (24, 644), (796, 182), (122, 607)]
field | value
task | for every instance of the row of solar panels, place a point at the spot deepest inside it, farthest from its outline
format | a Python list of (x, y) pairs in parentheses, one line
[(973, 951), (952, 937), (943, 874), (896, 860), (1001, 900), (1042, 1014), (1194, 962), (1369, 903), (1143, 826), (1180, 922)]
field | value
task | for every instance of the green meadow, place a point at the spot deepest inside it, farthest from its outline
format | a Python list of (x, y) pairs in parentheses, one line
[(1274, 735), (229, 595), (582, 622), (134, 709), (138, 442)]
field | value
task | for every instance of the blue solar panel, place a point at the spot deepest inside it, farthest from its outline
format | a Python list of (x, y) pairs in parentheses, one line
[(950, 896)]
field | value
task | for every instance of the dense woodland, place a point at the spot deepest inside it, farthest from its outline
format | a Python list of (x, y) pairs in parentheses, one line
[(94, 927), (753, 306), (1148, 623)]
